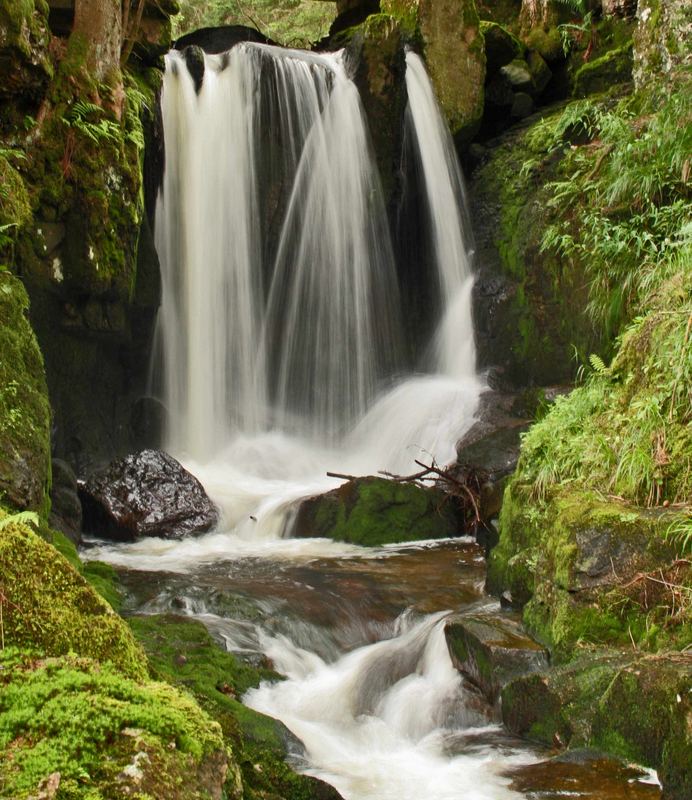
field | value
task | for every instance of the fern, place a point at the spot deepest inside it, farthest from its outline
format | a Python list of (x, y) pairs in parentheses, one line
[(21, 518)]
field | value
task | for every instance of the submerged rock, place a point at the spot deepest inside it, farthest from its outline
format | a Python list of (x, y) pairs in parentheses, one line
[(492, 651), (146, 494), (374, 511)]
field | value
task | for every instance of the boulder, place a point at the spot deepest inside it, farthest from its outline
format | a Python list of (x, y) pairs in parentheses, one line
[(540, 71), (631, 705), (518, 75), (501, 46), (492, 650), (146, 494), (600, 74), (522, 105), (373, 511)]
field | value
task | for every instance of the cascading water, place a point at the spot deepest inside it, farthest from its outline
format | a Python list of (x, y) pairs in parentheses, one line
[(280, 324), (295, 336)]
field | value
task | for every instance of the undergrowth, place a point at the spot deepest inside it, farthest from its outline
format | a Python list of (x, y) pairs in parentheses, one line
[(623, 212)]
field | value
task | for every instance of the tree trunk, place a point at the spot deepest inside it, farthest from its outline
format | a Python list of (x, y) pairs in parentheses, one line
[(99, 24), (537, 14)]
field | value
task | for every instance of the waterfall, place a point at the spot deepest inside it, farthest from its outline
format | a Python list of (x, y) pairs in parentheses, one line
[(280, 304), (448, 219), (280, 329)]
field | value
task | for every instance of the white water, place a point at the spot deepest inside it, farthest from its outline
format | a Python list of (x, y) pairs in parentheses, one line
[(276, 363), (281, 365), (379, 723)]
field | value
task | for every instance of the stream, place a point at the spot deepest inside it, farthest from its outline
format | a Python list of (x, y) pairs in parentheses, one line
[(282, 355)]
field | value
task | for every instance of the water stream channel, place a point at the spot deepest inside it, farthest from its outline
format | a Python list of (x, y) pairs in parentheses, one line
[(282, 356)]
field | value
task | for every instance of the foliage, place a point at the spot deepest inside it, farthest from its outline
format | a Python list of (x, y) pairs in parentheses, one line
[(624, 204), (91, 724), (296, 23)]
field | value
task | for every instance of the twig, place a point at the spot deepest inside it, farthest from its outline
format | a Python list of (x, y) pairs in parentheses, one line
[(341, 476)]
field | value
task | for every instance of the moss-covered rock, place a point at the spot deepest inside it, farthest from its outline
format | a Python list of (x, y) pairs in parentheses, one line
[(601, 73), (492, 650), (89, 731), (375, 511), (25, 65), (48, 607), (636, 707), (182, 652), (529, 306), (454, 53), (577, 563), (662, 48), (501, 46), (24, 409)]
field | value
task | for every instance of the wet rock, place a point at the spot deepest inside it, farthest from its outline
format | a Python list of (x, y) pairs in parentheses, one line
[(518, 75), (522, 105), (374, 511), (221, 39), (65, 506), (491, 447), (194, 58), (633, 706), (584, 773), (501, 46), (146, 494), (492, 651)]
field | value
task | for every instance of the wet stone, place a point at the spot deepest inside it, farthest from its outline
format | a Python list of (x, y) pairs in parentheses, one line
[(146, 494), (492, 650)]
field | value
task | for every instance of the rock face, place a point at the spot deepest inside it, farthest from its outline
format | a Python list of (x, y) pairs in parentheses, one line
[(24, 409), (65, 506), (24, 36), (374, 511), (146, 494), (576, 565), (662, 40), (492, 651)]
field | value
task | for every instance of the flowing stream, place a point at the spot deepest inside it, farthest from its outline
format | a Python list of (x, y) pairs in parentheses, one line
[(280, 345)]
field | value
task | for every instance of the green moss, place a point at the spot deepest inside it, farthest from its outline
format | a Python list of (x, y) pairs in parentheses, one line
[(106, 735), (599, 74), (375, 511), (182, 652), (24, 408), (49, 607)]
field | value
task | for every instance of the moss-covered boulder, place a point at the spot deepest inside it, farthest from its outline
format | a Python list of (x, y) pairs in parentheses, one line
[(182, 652), (578, 565), (601, 73), (82, 729), (501, 46), (24, 38), (492, 650), (24, 408), (49, 607), (633, 706), (374, 511)]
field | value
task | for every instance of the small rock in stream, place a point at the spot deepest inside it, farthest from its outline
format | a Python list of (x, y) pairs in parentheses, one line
[(146, 494), (492, 650)]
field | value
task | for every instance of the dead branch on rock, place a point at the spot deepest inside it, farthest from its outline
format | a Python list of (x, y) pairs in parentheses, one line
[(465, 486)]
